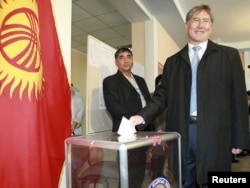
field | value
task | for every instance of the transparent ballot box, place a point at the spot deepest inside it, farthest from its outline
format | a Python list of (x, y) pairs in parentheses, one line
[(107, 160)]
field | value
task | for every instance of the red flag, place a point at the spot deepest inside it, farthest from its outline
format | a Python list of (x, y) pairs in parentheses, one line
[(34, 96)]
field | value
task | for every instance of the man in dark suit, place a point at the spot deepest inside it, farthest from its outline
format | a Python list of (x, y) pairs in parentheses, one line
[(125, 94), (218, 126)]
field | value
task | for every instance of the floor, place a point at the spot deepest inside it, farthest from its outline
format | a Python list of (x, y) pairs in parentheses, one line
[(243, 165)]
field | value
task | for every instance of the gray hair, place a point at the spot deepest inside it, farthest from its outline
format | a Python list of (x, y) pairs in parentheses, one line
[(199, 8)]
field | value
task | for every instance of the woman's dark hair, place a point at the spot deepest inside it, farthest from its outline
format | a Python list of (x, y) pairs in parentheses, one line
[(157, 80)]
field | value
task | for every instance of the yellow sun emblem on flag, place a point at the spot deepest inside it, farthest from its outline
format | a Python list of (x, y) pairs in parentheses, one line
[(20, 61)]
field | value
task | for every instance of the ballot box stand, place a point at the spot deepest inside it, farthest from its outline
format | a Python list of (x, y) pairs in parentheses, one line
[(146, 159)]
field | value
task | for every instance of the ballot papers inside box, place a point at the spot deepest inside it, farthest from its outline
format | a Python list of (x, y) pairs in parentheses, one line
[(148, 160)]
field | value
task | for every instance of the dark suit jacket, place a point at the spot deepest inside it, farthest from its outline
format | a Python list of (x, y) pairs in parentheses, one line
[(221, 106), (122, 99)]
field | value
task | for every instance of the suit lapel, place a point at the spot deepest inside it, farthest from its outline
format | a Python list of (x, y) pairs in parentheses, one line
[(125, 84)]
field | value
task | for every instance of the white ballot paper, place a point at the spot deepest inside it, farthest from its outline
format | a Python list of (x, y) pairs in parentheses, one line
[(126, 131)]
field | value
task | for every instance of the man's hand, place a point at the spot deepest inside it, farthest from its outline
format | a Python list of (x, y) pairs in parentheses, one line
[(136, 120), (73, 125), (236, 151)]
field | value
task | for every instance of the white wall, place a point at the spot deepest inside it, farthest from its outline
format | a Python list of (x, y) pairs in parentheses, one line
[(62, 12), (247, 70)]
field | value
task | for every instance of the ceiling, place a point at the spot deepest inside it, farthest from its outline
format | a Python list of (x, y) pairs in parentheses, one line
[(110, 20)]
